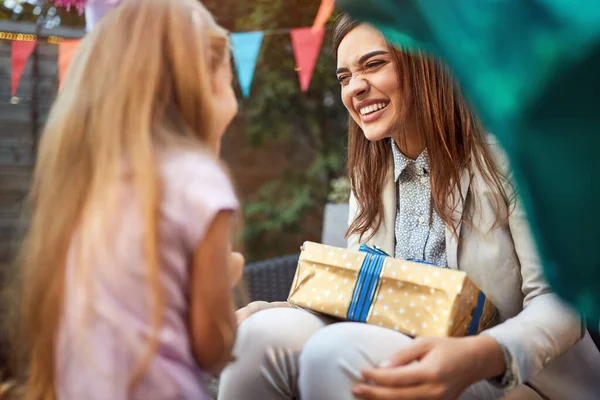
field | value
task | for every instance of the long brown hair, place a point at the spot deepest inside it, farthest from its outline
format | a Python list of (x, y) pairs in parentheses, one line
[(452, 135), (140, 81)]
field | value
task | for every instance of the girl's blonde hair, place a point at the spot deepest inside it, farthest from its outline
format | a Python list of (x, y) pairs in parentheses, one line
[(141, 80)]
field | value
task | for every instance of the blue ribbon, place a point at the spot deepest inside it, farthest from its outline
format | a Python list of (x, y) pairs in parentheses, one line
[(367, 283), (474, 327)]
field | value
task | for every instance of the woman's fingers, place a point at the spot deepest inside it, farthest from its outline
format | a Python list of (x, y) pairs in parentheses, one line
[(413, 352), (403, 376)]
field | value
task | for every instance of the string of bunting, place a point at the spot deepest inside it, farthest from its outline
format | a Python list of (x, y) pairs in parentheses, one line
[(306, 43)]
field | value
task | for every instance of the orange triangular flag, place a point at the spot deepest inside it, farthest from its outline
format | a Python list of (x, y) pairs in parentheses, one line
[(20, 52), (325, 11), (307, 46), (66, 51)]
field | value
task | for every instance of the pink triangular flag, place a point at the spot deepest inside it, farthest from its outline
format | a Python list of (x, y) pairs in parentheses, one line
[(307, 46), (66, 51), (325, 10), (20, 52)]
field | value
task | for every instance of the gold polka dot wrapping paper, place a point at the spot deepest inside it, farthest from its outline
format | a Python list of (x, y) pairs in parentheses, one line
[(409, 297)]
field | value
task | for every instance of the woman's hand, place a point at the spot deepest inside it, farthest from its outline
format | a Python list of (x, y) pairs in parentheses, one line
[(257, 306), (433, 369)]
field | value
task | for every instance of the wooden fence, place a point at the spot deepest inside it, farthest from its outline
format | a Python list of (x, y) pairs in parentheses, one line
[(21, 119)]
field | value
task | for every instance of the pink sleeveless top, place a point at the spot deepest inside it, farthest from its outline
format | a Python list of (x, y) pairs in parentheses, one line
[(106, 325)]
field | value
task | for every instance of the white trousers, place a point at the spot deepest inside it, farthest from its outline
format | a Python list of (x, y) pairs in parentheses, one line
[(286, 353)]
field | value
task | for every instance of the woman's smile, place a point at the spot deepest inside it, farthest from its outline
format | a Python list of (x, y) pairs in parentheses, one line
[(371, 110)]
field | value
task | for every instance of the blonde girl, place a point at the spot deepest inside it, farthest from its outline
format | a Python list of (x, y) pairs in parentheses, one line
[(126, 267)]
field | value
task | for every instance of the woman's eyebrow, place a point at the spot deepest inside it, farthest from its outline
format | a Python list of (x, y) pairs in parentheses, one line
[(363, 59), (371, 54)]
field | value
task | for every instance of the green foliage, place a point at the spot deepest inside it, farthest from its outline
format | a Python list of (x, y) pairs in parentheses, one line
[(340, 190), (311, 124)]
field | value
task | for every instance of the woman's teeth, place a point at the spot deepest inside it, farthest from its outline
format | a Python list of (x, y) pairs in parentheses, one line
[(372, 108)]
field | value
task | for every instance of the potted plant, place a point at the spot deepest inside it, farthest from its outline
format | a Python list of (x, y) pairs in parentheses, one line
[(335, 217)]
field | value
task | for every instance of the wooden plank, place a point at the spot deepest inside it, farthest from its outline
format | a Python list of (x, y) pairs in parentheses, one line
[(12, 203), (15, 178), (8, 251), (15, 134), (10, 228), (15, 156)]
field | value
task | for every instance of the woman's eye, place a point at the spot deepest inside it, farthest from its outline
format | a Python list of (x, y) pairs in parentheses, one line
[(375, 64), (343, 78)]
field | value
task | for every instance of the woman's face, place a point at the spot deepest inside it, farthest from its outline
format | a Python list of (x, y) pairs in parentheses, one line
[(369, 80)]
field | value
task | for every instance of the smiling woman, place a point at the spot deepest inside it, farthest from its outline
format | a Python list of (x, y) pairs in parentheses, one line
[(412, 100), (426, 185)]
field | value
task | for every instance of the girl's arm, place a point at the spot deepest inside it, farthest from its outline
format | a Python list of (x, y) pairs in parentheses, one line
[(212, 320)]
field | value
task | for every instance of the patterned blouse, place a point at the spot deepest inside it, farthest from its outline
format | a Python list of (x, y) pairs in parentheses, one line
[(420, 232)]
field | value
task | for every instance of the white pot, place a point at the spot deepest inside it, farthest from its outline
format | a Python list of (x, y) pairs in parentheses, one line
[(335, 224)]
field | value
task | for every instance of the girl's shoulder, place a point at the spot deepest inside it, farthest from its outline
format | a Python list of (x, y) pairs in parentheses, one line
[(196, 161), (194, 168), (195, 187)]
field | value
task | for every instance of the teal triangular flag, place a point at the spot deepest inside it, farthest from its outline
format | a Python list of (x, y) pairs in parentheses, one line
[(246, 46), (531, 70)]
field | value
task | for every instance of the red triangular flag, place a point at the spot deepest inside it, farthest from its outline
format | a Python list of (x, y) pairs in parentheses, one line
[(66, 51), (307, 46), (20, 52), (325, 11)]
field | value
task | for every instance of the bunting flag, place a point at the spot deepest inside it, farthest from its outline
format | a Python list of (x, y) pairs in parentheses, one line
[(246, 46), (20, 52), (306, 42), (66, 51), (325, 11), (307, 46)]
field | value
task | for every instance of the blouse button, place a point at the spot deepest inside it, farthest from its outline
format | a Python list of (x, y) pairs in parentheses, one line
[(423, 180), (421, 220)]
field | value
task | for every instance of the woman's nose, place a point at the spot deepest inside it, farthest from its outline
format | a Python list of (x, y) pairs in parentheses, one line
[(358, 86)]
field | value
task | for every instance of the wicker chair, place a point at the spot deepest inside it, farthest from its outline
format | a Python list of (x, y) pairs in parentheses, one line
[(270, 280)]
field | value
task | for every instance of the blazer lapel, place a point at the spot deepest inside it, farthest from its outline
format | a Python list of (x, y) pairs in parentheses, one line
[(385, 238), (451, 239)]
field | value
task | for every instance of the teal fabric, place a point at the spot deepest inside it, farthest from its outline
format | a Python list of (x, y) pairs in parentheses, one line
[(531, 69)]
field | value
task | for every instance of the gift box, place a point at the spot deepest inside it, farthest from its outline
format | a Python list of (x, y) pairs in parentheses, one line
[(409, 297)]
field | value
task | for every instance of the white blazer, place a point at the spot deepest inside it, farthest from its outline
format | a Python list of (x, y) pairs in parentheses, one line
[(552, 352)]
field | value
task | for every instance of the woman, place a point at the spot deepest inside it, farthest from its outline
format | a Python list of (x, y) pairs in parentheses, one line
[(426, 185)]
